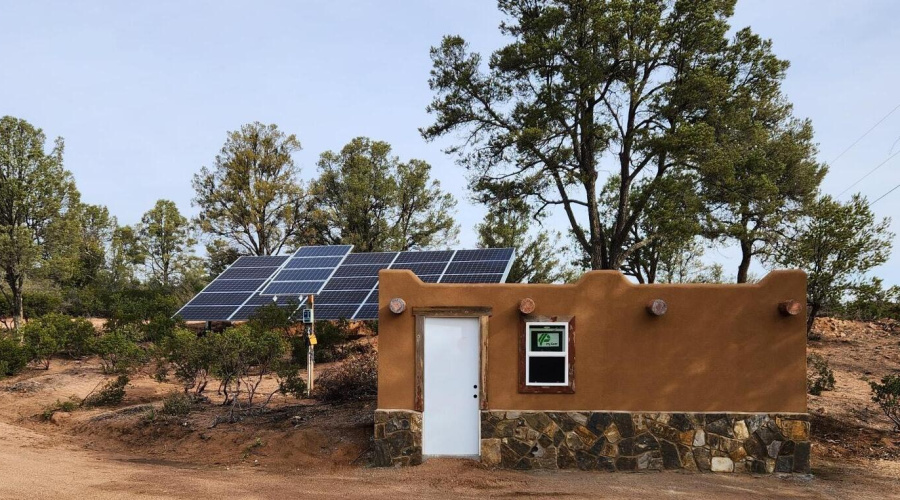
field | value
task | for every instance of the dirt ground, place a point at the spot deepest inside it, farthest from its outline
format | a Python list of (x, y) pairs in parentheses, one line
[(303, 447)]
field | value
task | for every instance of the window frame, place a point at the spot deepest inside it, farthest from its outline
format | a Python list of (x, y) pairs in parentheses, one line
[(529, 353), (525, 353)]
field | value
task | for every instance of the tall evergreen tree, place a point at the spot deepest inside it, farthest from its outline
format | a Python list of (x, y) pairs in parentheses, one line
[(582, 85), (367, 197), (35, 192), (761, 170), (165, 239), (252, 196)]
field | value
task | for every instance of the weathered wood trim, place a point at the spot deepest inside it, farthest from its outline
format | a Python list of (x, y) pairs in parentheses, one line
[(483, 314), (482, 379), (524, 388), (463, 312), (420, 363)]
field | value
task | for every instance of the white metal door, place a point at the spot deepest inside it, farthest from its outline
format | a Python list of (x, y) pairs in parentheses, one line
[(451, 420)]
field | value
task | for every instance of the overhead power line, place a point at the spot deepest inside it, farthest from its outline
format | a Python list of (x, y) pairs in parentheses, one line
[(885, 194), (885, 117), (889, 158)]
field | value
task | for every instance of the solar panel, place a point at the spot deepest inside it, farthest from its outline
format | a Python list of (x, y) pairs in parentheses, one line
[(345, 284), (485, 265), (232, 289), (352, 285), (307, 270)]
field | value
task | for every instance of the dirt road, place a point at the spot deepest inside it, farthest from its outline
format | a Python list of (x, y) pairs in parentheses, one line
[(35, 466)]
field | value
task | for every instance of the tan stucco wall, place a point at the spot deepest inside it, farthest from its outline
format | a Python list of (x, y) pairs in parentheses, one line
[(718, 348)]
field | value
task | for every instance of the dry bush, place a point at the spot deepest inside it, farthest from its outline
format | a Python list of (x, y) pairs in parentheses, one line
[(820, 377), (356, 378), (110, 395)]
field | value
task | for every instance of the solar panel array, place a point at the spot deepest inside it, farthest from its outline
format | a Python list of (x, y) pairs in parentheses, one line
[(345, 284)]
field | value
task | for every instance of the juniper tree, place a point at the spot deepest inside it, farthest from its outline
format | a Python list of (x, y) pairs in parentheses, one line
[(836, 244)]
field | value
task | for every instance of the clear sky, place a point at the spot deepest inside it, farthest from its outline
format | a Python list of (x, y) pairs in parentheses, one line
[(144, 92)]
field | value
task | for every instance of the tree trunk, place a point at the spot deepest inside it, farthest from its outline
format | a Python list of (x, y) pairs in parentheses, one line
[(18, 311), (813, 311), (744, 267)]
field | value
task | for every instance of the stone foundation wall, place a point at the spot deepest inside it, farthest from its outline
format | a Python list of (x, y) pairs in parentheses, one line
[(398, 438), (755, 443)]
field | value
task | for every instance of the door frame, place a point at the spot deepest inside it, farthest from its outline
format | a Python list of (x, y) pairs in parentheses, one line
[(482, 313)]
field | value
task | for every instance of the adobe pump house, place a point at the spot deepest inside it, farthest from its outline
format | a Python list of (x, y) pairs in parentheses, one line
[(601, 374)]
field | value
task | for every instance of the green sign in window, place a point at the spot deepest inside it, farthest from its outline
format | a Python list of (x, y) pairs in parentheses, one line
[(547, 338)]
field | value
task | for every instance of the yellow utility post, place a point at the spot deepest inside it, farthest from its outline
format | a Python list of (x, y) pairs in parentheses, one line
[(309, 319)]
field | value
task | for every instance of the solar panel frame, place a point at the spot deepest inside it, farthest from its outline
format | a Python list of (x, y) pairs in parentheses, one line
[(362, 283), (323, 251), (234, 285), (359, 270), (313, 263), (244, 273), (422, 268), (219, 299), (482, 254)]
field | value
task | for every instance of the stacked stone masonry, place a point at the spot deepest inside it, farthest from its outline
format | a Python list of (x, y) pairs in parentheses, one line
[(612, 441), (398, 438)]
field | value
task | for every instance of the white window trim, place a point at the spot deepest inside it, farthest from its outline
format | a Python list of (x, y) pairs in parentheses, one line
[(547, 354)]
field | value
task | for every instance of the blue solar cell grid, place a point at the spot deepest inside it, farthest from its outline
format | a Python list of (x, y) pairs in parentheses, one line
[(307, 270), (232, 289)]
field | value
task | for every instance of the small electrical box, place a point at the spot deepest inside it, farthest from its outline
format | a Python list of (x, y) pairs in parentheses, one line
[(307, 316)]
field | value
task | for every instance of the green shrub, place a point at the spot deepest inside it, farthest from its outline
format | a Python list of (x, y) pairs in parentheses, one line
[(871, 301), (80, 337), (820, 377), (38, 303), (188, 355), (160, 327), (273, 317), (110, 395), (176, 404), (74, 335), (355, 378), (289, 380), (887, 395), (118, 352), (67, 406), (331, 344), (242, 357), (42, 341), (13, 357)]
